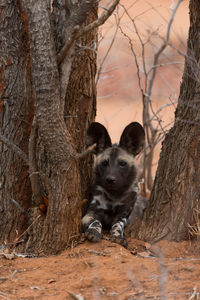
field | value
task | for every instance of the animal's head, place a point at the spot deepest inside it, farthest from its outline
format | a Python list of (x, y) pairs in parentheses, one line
[(115, 168)]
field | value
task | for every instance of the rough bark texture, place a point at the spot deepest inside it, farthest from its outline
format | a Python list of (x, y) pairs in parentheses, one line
[(176, 189), (16, 114), (56, 132)]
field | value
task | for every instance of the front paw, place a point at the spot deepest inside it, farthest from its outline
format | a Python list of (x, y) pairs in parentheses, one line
[(117, 232), (93, 235), (94, 231)]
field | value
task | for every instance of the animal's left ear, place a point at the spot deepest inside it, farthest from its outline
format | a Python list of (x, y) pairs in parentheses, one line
[(98, 134), (133, 138)]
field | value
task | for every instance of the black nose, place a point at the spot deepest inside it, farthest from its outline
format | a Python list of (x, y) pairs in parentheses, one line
[(111, 180)]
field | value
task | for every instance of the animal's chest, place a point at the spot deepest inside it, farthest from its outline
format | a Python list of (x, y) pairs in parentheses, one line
[(106, 208), (103, 202), (110, 207), (108, 211)]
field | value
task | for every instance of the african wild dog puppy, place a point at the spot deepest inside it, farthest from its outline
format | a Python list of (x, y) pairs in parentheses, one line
[(115, 185)]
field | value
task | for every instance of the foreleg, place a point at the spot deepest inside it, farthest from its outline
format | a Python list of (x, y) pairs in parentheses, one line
[(121, 219), (117, 231), (92, 227)]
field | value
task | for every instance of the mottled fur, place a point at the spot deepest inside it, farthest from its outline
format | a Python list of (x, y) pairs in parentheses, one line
[(115, 185)]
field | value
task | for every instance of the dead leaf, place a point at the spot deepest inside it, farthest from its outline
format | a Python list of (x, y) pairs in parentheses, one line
[(51, 281), (46, 201), (43, 208)]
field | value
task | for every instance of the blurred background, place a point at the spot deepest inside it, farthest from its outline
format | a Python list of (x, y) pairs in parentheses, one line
[(128, 43)]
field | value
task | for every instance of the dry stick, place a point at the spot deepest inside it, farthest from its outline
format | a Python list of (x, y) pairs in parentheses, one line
[(14, 147), (146, 115), (162, 48), (156, 57), (163, 107), (78, 32), (165, 64), (19, 206), (111, 44), (145, 105), (108, 50), (135, 57), (86, 152), (191, 59), (23, 233), (142, 92)]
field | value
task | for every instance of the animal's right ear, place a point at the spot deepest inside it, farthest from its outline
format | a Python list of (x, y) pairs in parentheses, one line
[(98, 134)]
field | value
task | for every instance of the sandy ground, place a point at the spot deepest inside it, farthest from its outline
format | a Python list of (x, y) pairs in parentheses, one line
[(105, 271)]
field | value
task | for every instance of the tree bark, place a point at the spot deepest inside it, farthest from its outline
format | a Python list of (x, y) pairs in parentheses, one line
[(176, 191), (16, 114), (63, 103)]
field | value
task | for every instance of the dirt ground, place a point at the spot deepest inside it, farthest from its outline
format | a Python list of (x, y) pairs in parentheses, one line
[(105, 270)]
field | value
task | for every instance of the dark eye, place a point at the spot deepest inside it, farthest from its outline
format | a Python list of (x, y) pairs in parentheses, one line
[(105, 163), (122, 163)]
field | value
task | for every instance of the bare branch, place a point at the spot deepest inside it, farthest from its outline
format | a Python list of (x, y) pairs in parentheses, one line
[(108, 50), (162, 48), (140, 40), (86, 152), (15, 148), (165, 64), (77, 32), (135, 58)]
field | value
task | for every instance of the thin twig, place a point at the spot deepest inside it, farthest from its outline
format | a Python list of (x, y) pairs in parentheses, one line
[(165, 64), (86, 152), (108, 50), (19, 206), (23, 233), (162, 48), (14, 147)]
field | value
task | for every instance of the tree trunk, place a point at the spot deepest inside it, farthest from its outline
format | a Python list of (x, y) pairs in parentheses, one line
[(63, 103), (176, 191), (16, 114)]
